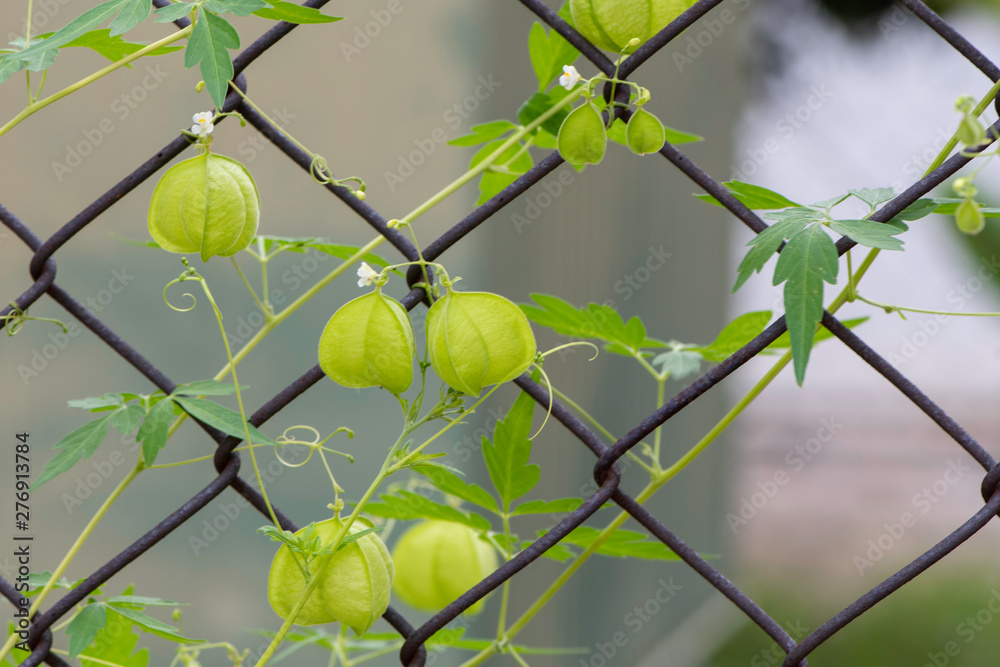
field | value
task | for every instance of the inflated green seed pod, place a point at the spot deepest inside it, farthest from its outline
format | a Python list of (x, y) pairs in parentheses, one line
[(354, 585), (437, 561), (368, 342), (612, 24), (208, 205), (644, 132), (969, 217), (582, 138), (477, 339)]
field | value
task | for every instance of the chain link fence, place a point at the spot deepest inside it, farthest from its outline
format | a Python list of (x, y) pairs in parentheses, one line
[(606, 473)]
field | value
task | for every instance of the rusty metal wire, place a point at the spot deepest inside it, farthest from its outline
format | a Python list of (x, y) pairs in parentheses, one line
[(43, 272)]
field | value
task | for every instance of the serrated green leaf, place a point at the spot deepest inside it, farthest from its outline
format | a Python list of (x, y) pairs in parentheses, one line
[(96, 403), (765, 245), (151, 625), (595, 321), (82, 24), (207, 388), (808, 260), (507, 456), (784, 341), (293, 13), (560, 506), (143, 601), (917, 210), (114, 48), (549, 51), (621, 544), (114, 645), (173, 12), (873, 196), (538, 104), (679, 364), (40, 62), (492, 182), (752, 196), (483, 133), (735, 335), (869, 233), (132, 14), (406, 505), (81, 443), (127, 418), (218, 416), (237, 7), (209, 46), (153, 432), (796, 214), (451, 483), (9, 67), (83, 629)]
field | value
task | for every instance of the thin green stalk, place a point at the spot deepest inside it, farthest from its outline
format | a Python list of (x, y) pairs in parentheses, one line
[(260, 305), (950, 146), (505, 597), (658, 433), (55, 97), (27, 43)]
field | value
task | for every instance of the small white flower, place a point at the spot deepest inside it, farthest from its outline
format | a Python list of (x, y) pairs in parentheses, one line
[(570, 77), (203, 125), (367, 275)]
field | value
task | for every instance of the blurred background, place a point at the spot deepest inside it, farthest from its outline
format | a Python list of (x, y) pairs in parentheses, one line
[(807, 98)]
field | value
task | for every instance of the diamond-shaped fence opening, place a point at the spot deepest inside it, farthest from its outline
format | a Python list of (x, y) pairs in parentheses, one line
[(44, 273)]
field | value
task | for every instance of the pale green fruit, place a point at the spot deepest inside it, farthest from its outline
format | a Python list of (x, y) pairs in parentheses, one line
[(208, 205), (369, 343), (437, 561), (477, 339), (611, 24), (583, 138), (644, 133), (353, 588), (969, 217)]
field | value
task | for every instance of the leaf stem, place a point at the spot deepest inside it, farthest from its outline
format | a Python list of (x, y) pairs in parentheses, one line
[(55, 97), (950, 146), (263, 308)]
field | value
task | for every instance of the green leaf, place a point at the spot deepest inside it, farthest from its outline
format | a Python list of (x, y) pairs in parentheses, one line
[(621, 544), (237, 7), (153, 432), (97, 403), (40, 62), (131, 15), (82, 24), (753, 196), (808, 260), (765, 245), (644, 133), (206, 388), (208, 45), (143, 601), (218, 416), (150, 624), (83, 629), (346, 252), (407, 505), (560, 506), (538, 104), (10, 66), (127, 418), (869, 233), (557, 552), (293, 13), (549, 51), (917, 210), (736, 335), (483, 133), (784, 341), (582, 137), (16, 654), (949, 206), (81, 443), (873, 196), (114, 48), (114, 645), (594, 321), (173, 12), (492, 182), (678, 363), (451, 483), (507, 456)]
